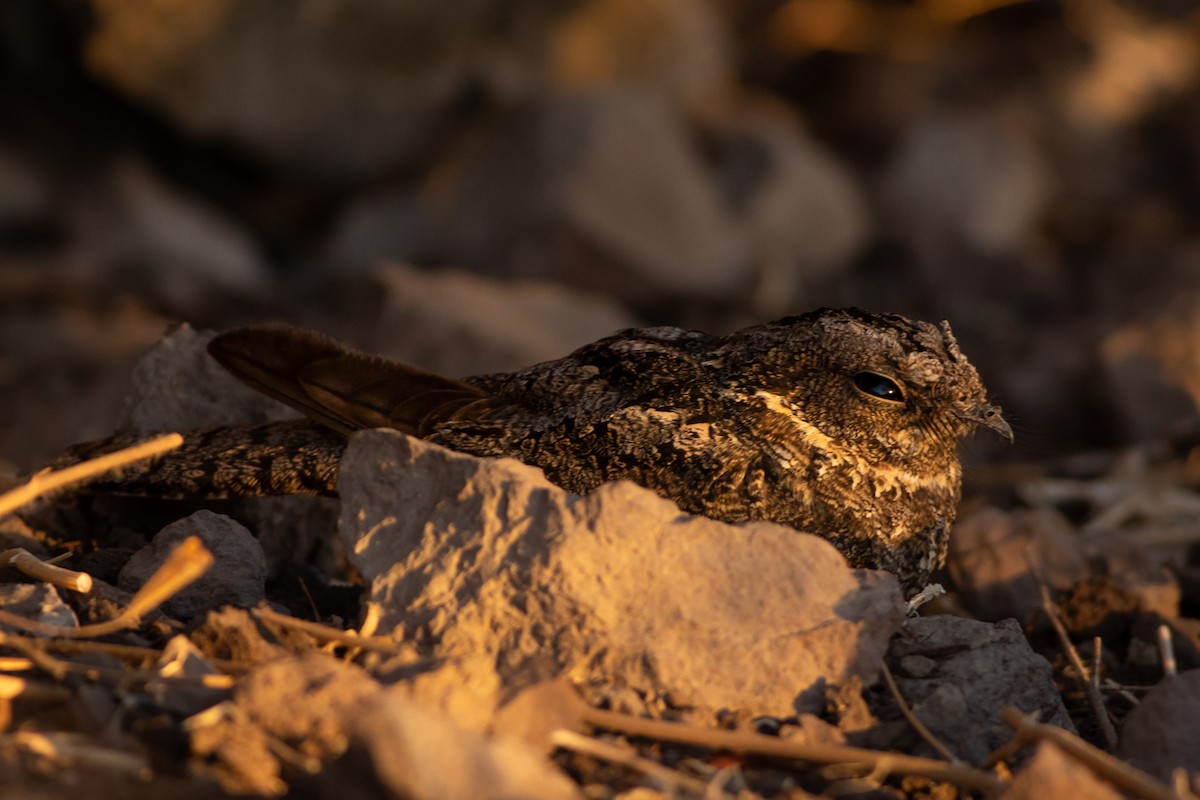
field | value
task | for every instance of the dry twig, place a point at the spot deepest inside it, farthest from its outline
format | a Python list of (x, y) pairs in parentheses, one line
[(1095, 699), (186, 563), (1117, 772), (40, 570), (755, 744), (915, 722), (606, 751), (327, 633), (1166, 650)]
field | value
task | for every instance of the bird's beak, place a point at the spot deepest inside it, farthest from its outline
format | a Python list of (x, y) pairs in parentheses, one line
[(989, 417)]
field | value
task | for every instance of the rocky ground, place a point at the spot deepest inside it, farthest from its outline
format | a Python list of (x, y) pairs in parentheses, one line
[(476, 189)]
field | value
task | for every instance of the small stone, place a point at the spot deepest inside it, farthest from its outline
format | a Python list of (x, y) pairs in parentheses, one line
[(39, 602), (237, 576), (1159, 734)]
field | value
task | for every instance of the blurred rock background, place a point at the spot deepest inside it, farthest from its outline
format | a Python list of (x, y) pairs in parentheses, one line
[(474, 186)]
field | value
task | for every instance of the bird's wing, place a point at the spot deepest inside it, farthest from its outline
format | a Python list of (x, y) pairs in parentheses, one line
[(340, 387)]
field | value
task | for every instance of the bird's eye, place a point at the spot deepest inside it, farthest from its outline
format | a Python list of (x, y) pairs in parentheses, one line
[(878, 386)]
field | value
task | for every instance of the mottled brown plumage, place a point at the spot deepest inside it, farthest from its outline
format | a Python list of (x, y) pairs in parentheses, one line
[(842, 423)]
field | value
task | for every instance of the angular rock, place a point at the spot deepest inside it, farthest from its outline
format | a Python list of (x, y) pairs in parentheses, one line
[(458, 323), (1160, 734), (976, 177), (979, 668), (174, 245), (237, 576), (178, 387), (615, 196), (805, 214), (25, 194), (488, 561), (39, 602), (1052, 773)]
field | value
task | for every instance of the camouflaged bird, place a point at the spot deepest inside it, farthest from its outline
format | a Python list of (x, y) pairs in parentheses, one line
[(841, 423)]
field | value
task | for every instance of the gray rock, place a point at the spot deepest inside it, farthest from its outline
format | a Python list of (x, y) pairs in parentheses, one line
[(805, 214), (981, 669), (458, 323), (25, 194), (1160, 734), (172, 244), (237, 576), (614, 195), (515, 581), (177, 387), (343, 91), (973, 177), (39, 602)]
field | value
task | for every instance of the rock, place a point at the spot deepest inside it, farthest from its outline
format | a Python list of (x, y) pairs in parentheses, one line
[(25, 195), (514, 581), (178, 387), (39, 602), (981, 669), (309, 702), (615, 196), (416, 753), (990, 555), (804, 212), (676, 48), (169, 243), (1149, 371), (237, 576), (1160, 733), (1052, 773), (970, 177), (457, 323), (343, 92)]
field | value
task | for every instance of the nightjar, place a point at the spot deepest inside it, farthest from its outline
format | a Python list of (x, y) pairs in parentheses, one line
[(841, 423)]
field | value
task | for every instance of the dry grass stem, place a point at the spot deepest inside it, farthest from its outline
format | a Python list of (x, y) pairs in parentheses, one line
[(186, 563), (1166, 650), (69, 749), (668, 778), (326, 633), (754, 744), (40, 570), (59, 669), (1095, 699), (12, 687), (1113, 770), (915, 722), (48, 481)]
